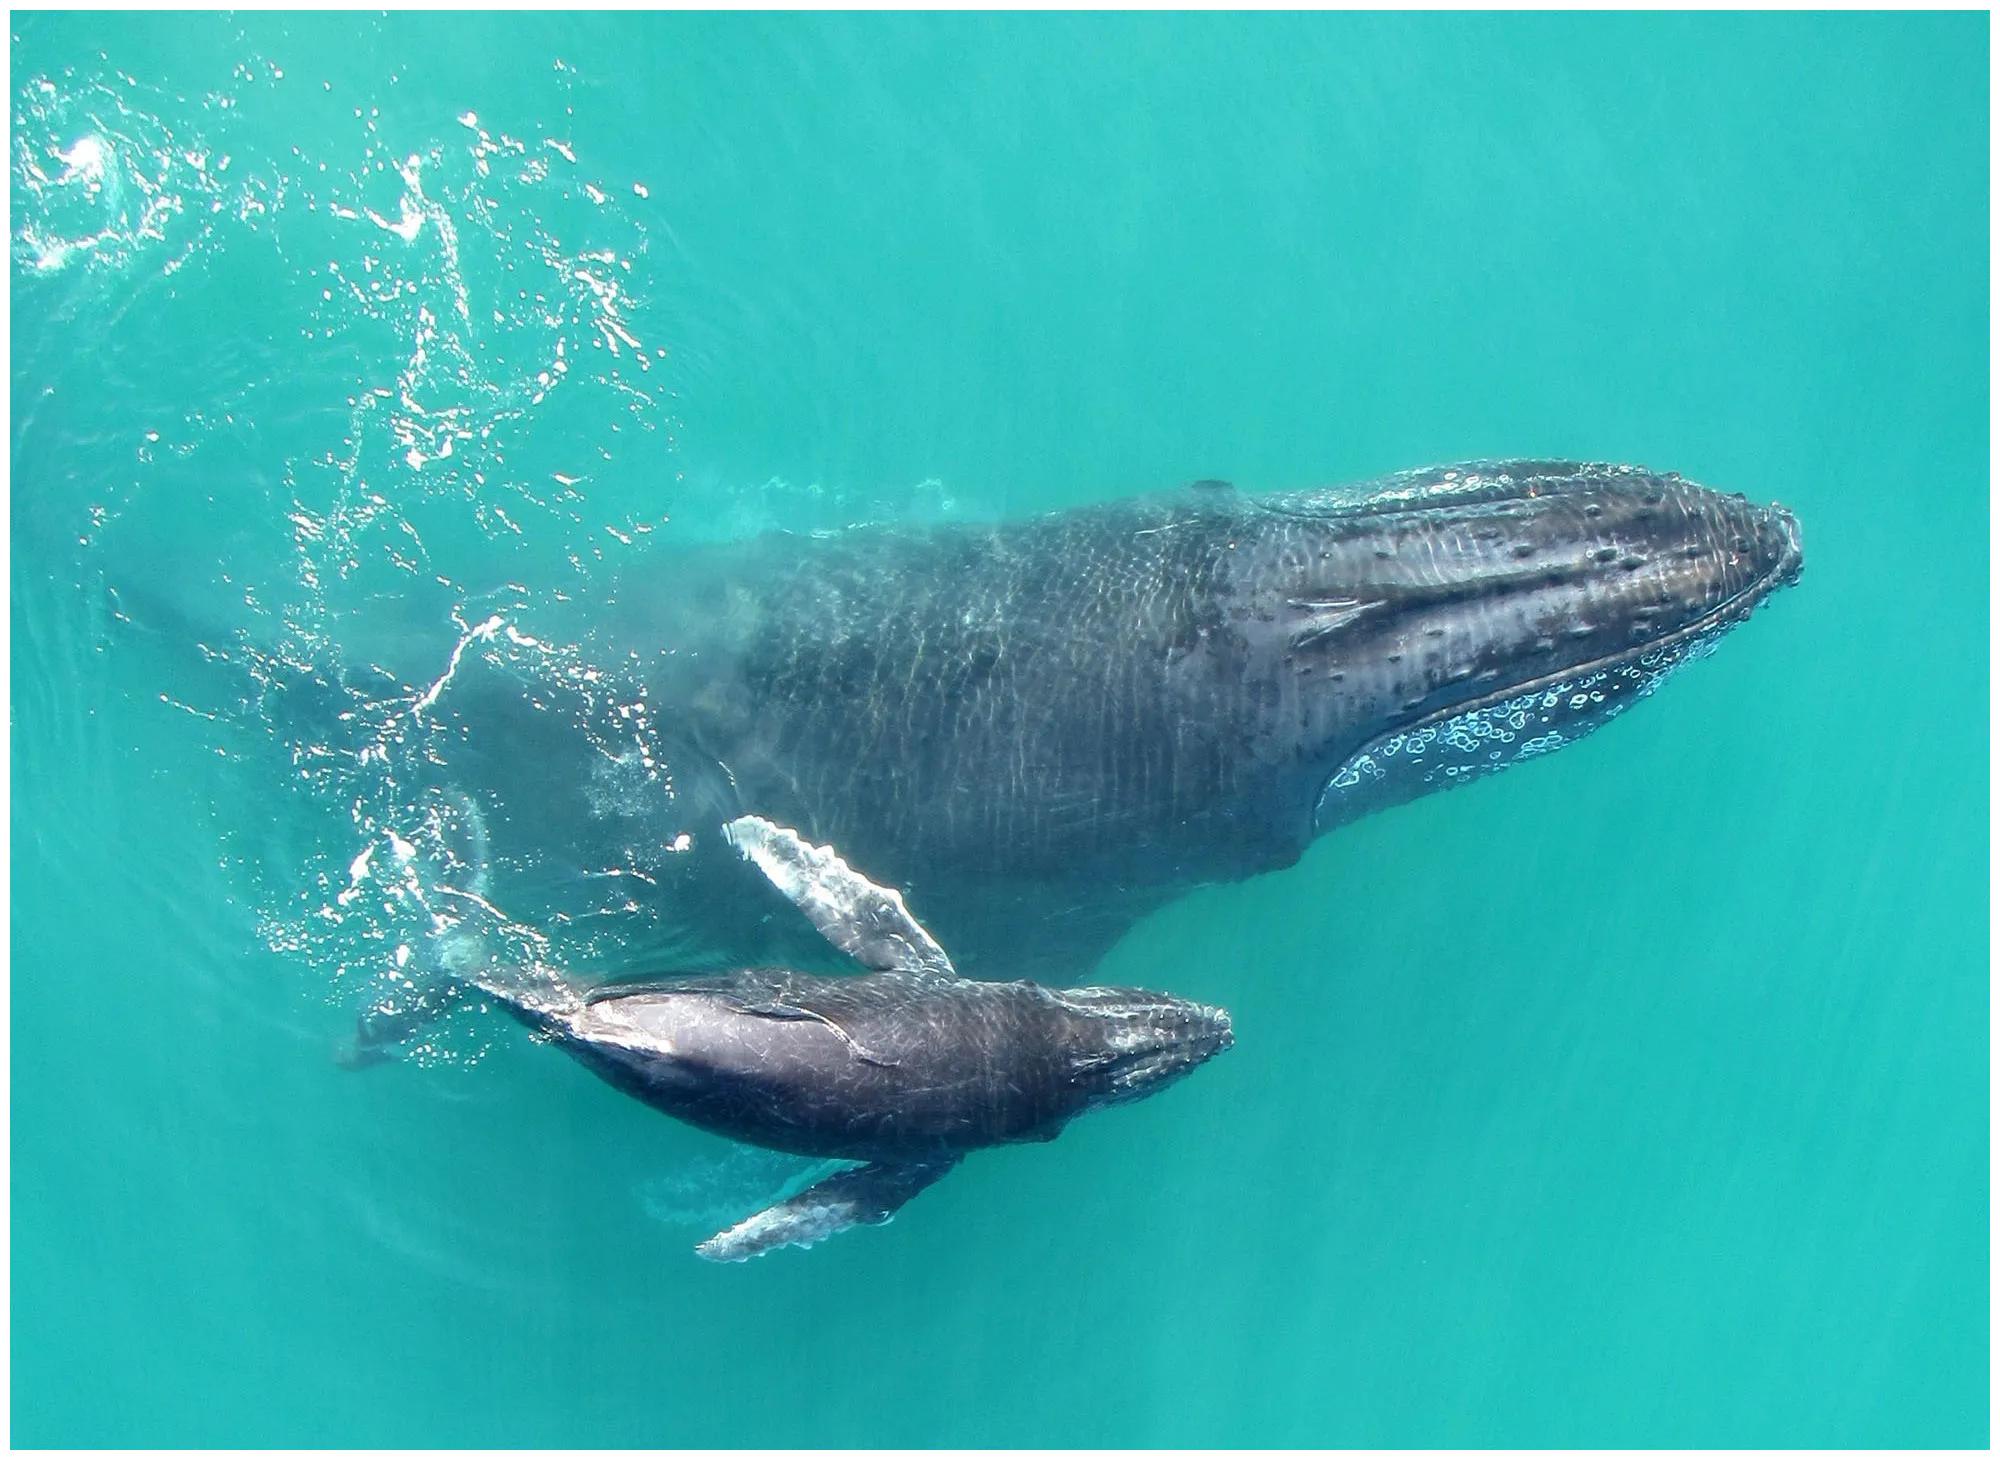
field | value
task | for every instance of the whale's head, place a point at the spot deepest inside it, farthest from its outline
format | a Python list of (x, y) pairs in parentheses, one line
[(1125, 1044), (1448, 623)]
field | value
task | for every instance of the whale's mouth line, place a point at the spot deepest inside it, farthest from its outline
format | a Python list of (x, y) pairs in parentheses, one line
[(1784, 571)]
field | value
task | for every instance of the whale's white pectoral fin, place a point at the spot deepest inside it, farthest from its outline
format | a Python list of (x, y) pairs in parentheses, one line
[(864, 1196), (867, 922)]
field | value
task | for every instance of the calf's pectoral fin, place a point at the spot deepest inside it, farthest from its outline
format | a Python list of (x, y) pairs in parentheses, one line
[(868, 923), (863, 1196)]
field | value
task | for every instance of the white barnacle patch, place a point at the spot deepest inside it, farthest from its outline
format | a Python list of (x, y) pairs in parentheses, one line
[(1507, 732), (1351, 773), (1128, 1036)]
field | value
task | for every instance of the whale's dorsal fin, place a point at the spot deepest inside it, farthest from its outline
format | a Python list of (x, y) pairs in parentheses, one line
[(777, 1007), (866, 922), (861, 1196)]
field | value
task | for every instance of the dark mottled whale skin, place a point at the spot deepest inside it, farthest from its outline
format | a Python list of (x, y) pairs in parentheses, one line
[(904, 1072), (907, 1067), (1044, 728), (881, 1066)]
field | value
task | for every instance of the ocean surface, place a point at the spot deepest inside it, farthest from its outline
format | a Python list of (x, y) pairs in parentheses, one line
[(1637, 1097)]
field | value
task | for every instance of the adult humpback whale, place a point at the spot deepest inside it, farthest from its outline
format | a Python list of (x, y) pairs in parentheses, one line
[(1044, 728)]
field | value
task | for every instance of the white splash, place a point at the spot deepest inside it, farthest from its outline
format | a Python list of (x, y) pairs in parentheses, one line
[(483, 631), (83, 161)]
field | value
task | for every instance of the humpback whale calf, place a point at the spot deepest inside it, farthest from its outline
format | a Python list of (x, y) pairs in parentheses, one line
[(1043, 728), (905, 1068)]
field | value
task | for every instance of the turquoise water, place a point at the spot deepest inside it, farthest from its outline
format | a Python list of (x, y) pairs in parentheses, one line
[(1639, 1097)]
